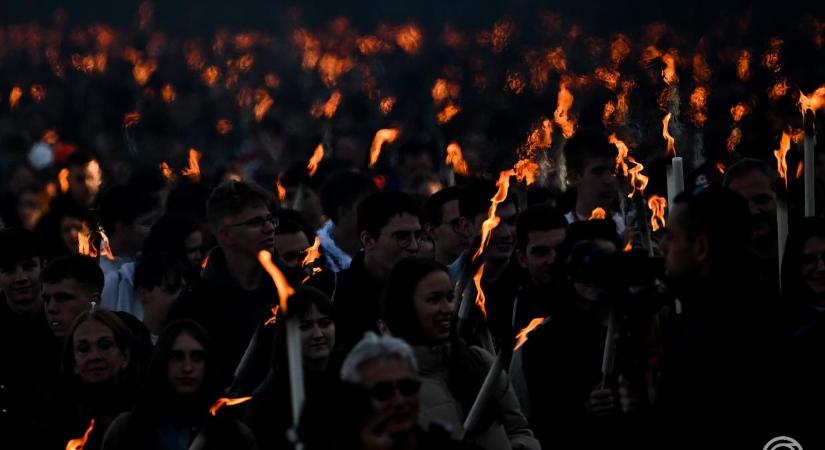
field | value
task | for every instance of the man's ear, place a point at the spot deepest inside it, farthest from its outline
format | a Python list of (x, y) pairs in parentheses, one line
[(367, 241), (95, 297), (701, 248), (521, 257)]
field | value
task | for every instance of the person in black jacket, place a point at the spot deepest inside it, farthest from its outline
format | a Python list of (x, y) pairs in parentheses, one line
[(234, 295)]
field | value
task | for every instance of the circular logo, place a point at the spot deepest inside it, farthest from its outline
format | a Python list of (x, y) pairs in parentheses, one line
[(782, 443)]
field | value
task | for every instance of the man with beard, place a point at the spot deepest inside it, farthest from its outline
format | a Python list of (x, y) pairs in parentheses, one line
[(590, 161), (756, 182)]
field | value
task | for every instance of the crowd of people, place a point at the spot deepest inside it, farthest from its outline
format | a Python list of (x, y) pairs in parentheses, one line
[(437, 307)]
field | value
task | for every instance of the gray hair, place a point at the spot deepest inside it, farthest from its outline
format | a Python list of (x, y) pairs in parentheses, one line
[(374, 347)]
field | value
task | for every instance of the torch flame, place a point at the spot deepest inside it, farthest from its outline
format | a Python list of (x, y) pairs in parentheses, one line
[(14, 97), (63, 179), (671, 142), (105, 249), (283, 287), (812, 102), (167, 172), (168, 93), (77, 444), (669, 72), (316, 158), (274, 319), (455, 159), (799, 169), (328, 108), (778, 90), (526, 171), (447, 114), (280, 188), (739, 111), (521, 337), (698, 106), (657, 206), (84, 242), (743, 71), (598, 213), (223, 127), (381, 136), (131, 119), (38, 93), (193, 170), (386, 105), (223, 401), (564, 102), (481, 300), (312, 253), (492, 220), (624, 161), (780, 154), (262, 104)]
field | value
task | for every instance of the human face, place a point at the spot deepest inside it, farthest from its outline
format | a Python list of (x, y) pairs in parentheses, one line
[(19, 281), (503, 237), (398, 239), (64, 301), (161, 297), (678, 249), (291, 247), (434, 306), (756, 188), (400, 410), (69, 229), (135, 234), (192, 245), (84, 182), (97, 358), (187, 365), (29, 210), (539, 255), (813, 265), (317, 337), (596, 185), (448, 241), (250, 231)]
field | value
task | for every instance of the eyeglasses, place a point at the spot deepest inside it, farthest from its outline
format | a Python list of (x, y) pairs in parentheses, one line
[(257, 222), (404, 238), (811, 259), (385, 390)]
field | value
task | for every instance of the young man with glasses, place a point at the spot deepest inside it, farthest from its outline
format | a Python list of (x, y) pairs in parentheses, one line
[(389, 230), (233, 295), (441, 222)]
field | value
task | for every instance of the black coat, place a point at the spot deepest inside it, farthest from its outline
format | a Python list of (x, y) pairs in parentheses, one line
[(357, 299)]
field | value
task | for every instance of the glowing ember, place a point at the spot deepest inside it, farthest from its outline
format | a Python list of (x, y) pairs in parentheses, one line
[(193, 170), (281, 190), (671, 142), (381, 136), (63, 179), (628, 247), (167, 92), (481, 300), (743, 63), (455, 159), (271, 80), (521, 337), (780, 154), (14, 97), (223, 127), (131, 119), (281, 284), (262, 104), (386, 105), (564, 102), (492, 220), (526, 171), (812, 102), (223, 401), (317, 156), (167, 172), (447, 113), (657, 207), (78, 444), (597, 214)]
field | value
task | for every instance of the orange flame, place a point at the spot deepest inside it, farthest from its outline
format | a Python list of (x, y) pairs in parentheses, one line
[(778, 90), (63, 179), (624, 161), (316, 158), (439, 91), (211, 75), (698, 106), (50, 137), (167, 172), (223, 127), (167, 92), (540, 138), (669, 72), (799, 169), (521, 337), (739, 111), (204, 262), (409, 38), (38, 93), (280, 188), (84, 242), (262, 104), (223, 401), (312, 253), (598, 213), (386, 105), (193, 170), (657, 207), (131, 119), (274, 319), (447, 114), (455, 159), (14, 97), (526, 171), (283, 287), (743, 70), (271, 80), (381, 136), (78, 444), (481, 300), (492, 220), (671, 142), (143, 70), (780, 154), (812, 102), (771, 58), (701, 69), (105, 249), (734, 139), (564, 102), (628, 247), (331, 66), (328, 108), (609, 77)]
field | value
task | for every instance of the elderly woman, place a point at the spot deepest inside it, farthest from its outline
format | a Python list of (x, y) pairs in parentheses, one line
[(174, 413), (418, 306), (97, 355)]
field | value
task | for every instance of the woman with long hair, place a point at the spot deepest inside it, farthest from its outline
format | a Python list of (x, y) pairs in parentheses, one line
[(174, 413), (418, 306)]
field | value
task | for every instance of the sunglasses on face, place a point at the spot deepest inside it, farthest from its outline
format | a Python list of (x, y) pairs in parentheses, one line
[(385, 390)]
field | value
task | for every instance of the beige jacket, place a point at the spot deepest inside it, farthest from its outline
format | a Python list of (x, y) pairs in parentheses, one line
[(510, 431)]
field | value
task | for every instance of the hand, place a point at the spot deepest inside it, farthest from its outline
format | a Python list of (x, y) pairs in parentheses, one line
[(601, 402), (629, 399)]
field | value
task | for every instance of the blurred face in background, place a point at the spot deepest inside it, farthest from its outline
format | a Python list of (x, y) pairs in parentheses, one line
[(69, 229), (291, 248), (20, 282), (539, 255), (393, 388), (193, 245), (317, 337), (84, 182), (756, 188), (187, 365)]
